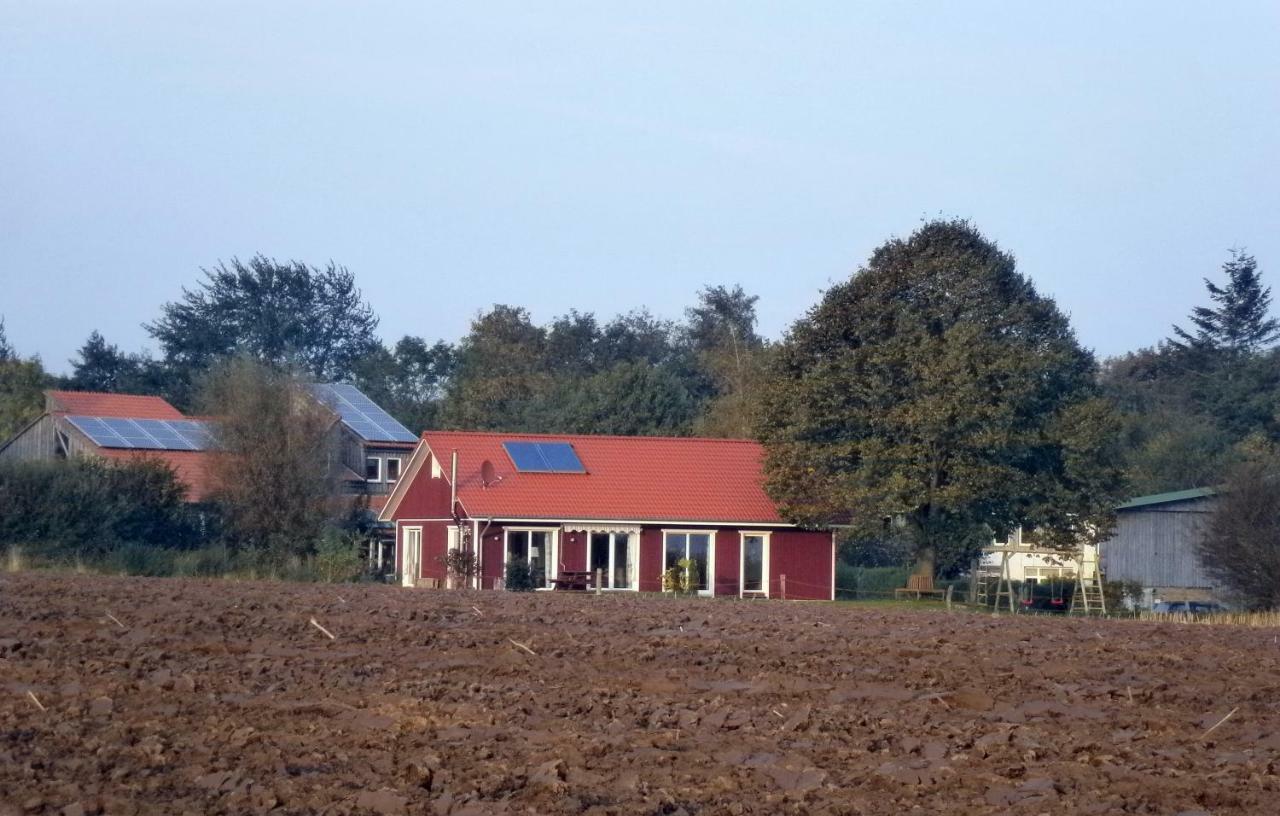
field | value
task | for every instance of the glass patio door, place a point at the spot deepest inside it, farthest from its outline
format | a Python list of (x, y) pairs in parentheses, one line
[(696, 547), (537, 548), (610, 554)]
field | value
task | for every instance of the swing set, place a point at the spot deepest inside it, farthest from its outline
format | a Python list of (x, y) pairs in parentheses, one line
[(995, 589)]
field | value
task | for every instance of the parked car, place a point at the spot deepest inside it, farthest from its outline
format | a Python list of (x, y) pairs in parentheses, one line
[(1189, 608)]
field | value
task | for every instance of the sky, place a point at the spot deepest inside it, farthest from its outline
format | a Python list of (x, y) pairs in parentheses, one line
[(605, 156)]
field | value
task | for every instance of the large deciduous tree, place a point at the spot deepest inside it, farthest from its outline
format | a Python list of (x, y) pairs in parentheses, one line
[(937, 392), (285, 314), (271, 472)]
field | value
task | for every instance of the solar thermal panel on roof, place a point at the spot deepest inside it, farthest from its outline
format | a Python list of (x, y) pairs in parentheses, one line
[(543, 457)]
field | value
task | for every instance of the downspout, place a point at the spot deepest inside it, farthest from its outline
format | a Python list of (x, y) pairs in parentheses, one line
[(453, 486), (453, 500)]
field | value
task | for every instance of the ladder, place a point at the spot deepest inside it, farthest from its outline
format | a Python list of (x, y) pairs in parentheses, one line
[(995, 587), (1089, 597)]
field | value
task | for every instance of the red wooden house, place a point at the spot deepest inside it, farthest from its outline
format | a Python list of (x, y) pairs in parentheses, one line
[(626, 508)]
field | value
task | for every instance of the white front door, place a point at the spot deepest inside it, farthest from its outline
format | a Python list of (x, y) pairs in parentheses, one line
[(753, 565), (411, 553)]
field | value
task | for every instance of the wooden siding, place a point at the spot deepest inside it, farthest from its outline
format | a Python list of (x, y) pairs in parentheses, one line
[(36, 441), (1155, 546)]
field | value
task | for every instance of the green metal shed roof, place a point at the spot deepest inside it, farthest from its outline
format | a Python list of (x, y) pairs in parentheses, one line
[(1166, 498)]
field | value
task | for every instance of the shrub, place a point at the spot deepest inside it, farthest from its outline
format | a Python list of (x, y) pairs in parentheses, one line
[(683, 578), (854, 582), (337, 557), (1122, 596), (462, 565), (84, 507), (519, 576)]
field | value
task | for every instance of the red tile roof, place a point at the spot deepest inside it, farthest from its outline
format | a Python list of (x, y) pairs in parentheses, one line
[(191, 467), (628, 478), (129, 406)]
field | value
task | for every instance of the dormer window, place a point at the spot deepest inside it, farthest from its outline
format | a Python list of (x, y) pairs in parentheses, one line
[(372, 469)]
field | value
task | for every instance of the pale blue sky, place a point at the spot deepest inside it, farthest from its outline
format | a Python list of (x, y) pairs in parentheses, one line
[(605, 156)]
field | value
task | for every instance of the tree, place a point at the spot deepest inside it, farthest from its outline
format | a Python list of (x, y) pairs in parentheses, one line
[(22, 384), (937, 390), (722, 332), (6, 350), (409, 381), (1241, 542), (630, 399), (637, 336), (101, 366), (271, 472), (283, 314), (1239, 324), (501, 381)]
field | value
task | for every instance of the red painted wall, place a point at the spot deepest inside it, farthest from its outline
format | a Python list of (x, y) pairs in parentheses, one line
[(805, 558), (728, 551), (650, 559), (426, 497), (573, 551), (435, 540), (492, 556)]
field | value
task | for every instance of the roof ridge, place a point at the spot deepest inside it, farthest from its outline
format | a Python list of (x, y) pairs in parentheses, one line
[(738, 440), (104, 394)]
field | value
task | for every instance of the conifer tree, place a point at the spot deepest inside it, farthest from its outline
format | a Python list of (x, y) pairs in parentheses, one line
[(1238, 323)]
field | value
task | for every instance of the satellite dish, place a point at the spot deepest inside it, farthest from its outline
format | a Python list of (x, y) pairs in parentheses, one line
[(488, 475)]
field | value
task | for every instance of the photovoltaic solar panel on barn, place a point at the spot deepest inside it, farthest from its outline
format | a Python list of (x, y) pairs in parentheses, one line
[(361, 414), (145, 434)]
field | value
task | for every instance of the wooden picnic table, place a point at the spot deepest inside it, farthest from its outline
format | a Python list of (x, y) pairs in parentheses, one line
[(579, 580)]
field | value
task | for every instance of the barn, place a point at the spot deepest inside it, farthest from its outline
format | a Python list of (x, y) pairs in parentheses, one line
[(117, 428), (1154, 546), (624, 508)]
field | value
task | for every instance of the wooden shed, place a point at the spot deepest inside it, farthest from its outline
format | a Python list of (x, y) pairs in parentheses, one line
[(1155, 545)]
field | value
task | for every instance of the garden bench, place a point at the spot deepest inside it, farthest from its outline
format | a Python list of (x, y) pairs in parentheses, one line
[(919, 586)]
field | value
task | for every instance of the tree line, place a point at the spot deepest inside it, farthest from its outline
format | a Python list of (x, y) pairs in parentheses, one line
[(633, 373), (933, 398)]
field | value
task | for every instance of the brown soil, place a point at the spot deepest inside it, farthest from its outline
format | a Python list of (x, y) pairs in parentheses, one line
[(220, 697)]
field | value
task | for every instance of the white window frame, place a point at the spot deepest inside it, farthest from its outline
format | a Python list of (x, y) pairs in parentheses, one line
[(386, 469), (742, 564), (552, 567), (412, 564), (711, 555), (367, 460), (633, 556)]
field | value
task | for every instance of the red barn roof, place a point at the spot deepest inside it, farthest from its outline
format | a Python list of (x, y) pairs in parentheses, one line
[(95, 404), (628, 478), (190, 467)]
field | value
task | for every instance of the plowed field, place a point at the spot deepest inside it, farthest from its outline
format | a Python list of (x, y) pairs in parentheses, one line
[(126, 695)]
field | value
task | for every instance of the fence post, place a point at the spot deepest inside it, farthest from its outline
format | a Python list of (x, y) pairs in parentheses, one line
[(598, 576), (782, 579), (950, 587)]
